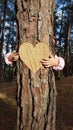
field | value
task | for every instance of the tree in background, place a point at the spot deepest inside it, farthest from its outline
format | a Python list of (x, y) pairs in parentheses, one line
[(36, 92)]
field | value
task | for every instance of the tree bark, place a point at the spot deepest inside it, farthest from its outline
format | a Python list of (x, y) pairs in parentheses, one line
[(67, 50), (36, 92)]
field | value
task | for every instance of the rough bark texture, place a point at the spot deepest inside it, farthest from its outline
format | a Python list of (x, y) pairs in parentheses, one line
[(36, 92)]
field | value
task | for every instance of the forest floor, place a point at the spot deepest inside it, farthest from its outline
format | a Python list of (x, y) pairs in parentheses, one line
[(64, 105)]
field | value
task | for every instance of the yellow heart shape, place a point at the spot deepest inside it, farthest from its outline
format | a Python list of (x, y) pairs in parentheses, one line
[(32, 56)]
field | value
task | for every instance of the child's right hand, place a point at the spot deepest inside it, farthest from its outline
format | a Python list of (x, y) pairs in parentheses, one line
[(14, 56)]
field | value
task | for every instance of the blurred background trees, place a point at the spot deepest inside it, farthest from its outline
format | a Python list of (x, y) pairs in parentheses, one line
[(63, 31), (7, 36)]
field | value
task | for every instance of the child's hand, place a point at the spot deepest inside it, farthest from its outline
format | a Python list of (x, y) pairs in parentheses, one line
[(14, 56), (49, 62)]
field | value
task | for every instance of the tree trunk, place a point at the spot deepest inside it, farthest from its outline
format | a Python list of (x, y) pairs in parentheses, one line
[(67, 50), (36, 92)]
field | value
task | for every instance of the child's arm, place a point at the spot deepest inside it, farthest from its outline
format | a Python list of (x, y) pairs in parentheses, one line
[(56, 62), (11, 57)]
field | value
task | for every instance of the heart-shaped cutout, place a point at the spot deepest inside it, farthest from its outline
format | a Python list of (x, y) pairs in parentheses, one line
[(32, 56)]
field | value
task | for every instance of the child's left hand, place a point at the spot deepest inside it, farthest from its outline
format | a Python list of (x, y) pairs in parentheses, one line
[(49, 62)]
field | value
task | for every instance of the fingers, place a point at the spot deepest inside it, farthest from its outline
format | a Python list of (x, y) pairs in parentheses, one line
[(47, 62), (15, 58), (15, 53), (44, 60)]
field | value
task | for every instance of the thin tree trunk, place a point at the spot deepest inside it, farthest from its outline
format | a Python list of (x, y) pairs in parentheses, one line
[(67, 43), (67, 49), (36, 92)]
